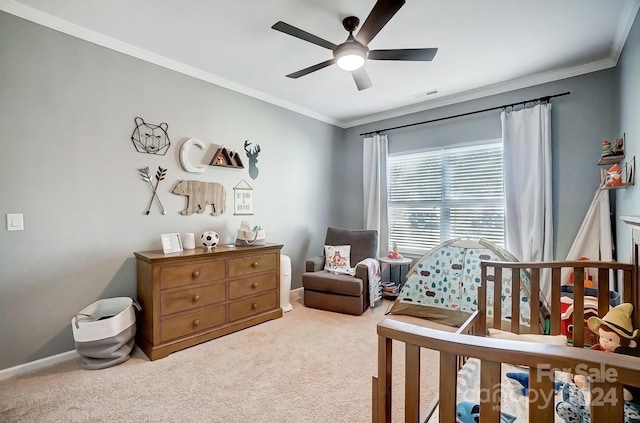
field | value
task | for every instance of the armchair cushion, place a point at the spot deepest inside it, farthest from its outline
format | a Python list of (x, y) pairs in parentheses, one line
[(333, 283)]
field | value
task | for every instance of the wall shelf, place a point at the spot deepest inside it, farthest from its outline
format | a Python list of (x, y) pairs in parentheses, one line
[(609, 160), (226, 158), (628, 175)]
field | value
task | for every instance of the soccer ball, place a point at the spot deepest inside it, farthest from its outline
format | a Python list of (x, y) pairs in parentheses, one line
[(209, 239)]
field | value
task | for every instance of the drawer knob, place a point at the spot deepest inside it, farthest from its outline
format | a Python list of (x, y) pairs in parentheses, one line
[(254, 264), (254, 306), (196, 298), (255, 285), (195, 274), (196, 323)]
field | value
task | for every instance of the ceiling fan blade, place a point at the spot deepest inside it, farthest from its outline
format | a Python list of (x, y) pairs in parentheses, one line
[(303, 35), (310, 69), (381, 13), (412, 54), (361, 77)]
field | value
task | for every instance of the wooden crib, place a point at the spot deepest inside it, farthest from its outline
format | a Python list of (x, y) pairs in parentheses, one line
[(471, 341)]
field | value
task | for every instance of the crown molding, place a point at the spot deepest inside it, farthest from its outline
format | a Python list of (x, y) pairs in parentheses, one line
[(502, 87)]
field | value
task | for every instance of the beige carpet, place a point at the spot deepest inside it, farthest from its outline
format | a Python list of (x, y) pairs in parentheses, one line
[(309, 366)]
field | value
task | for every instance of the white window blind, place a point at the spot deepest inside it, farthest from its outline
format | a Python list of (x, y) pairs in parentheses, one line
[(434, 196)]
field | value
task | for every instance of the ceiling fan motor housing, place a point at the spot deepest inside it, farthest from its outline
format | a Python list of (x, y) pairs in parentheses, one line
[(349, 46)]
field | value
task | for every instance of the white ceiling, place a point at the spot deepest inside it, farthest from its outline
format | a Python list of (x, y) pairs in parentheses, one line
[(485, 47)]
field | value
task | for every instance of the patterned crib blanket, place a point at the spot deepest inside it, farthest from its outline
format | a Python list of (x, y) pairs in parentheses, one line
[(571, 404)]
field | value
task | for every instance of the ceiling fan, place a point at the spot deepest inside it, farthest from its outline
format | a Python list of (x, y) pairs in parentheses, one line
[(351, 54)]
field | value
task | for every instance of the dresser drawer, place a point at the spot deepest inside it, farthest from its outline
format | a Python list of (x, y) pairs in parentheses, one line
[(255, 285), (251, 306), (176, 327), (250, 265), (190, 273), (190, 298)]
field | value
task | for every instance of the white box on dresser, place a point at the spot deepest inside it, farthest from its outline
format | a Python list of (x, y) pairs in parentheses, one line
[(196, 295)]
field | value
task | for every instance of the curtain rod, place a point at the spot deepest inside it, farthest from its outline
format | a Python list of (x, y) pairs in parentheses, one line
[(544, 99)]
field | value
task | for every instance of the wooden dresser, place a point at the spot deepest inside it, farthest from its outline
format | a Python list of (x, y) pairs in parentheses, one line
[(197, 295)]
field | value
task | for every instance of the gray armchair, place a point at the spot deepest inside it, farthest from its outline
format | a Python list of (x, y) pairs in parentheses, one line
[(336, 292)]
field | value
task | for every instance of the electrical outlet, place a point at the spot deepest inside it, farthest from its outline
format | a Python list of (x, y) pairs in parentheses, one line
[(15, 222)]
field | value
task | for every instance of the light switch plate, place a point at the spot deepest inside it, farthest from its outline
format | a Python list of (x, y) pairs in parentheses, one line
[(15, 222)]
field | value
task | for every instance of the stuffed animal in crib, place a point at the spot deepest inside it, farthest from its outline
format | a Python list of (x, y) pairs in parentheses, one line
[(617, 335)]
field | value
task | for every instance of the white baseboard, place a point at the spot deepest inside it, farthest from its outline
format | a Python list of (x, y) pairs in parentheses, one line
[(33, 366)]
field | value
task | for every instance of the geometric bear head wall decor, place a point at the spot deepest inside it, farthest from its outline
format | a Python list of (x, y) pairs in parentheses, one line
[(150, 138)]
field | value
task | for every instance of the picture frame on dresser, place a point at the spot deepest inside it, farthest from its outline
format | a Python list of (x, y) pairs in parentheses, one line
[(171, 243)]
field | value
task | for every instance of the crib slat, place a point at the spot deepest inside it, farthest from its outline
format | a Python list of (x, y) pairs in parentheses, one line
[(385, 350), (515, 301), (578, 307), (535, 301), (603, 291), (607, 404), (448, 382), (497, 297), (482, 301), (555, 300), (627, 287), (541, 394), (489, 387), (412, 383)]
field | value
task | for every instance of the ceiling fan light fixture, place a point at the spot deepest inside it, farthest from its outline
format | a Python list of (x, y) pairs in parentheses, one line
[(350, 55), (351, 60)]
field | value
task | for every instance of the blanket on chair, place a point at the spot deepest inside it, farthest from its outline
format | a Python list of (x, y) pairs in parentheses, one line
[(375, 288)]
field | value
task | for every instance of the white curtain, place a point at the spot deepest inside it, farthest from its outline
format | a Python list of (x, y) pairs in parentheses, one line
[(526, 135), (374, 183)]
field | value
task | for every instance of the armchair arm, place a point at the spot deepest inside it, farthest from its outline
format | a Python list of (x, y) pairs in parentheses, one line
[(314, 264), (362, 272)]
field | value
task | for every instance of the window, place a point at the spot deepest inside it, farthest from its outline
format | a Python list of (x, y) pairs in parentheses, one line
[(437, 195)]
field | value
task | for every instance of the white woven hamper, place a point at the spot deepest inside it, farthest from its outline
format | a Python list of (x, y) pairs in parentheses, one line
[(104, 332)]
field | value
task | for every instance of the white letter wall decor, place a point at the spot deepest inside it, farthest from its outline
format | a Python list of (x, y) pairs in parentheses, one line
[(184, 155)]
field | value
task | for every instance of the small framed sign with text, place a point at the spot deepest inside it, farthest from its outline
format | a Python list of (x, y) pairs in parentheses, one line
[(171, 243), (242, 199)]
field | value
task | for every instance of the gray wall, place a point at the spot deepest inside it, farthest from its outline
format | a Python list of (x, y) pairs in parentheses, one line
[(67, 111), (628, 199), (579, 123)]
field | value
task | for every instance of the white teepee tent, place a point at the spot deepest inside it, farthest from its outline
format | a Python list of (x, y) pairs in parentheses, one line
[(594, 239)]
